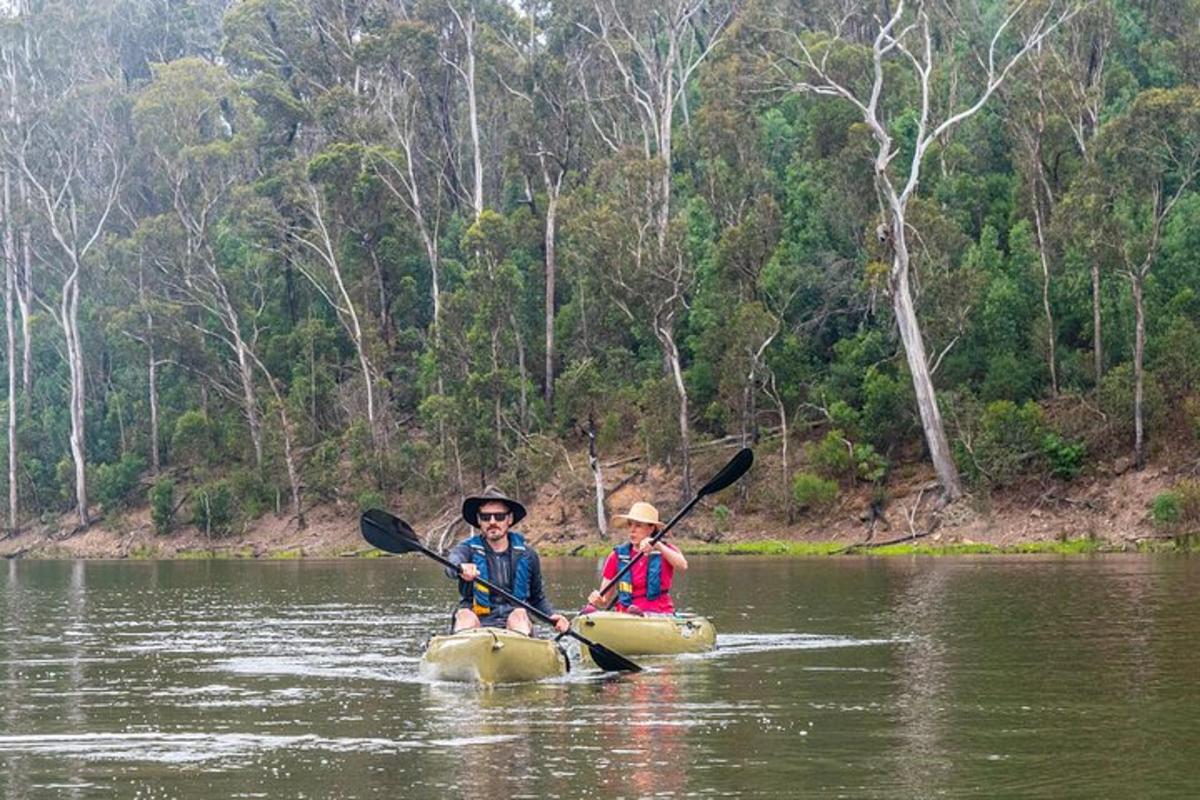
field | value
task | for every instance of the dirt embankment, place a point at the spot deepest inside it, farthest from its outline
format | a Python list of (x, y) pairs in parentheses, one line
[(1109, 504)]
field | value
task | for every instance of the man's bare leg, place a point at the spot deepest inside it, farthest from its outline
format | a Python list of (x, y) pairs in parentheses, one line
[(465, 619), (518, 620)]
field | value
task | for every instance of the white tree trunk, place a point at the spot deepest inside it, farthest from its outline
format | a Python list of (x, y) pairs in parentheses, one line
[(1097, 343), (10, 281), (467, 73), (473, 110), (788, 504), (70, 324), (597, 477), (289, 458), (1051, 357), (25, 305), (664, 153), (667, 337), (155, 464), (1136, 278), (225, 311), (344, 308), (248, 399), (552, 190), (918, 365)]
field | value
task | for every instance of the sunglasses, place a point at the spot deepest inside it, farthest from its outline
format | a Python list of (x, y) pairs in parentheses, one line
[(492, 516)]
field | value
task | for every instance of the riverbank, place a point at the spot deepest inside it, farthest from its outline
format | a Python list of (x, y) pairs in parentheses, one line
[(1104, 511)]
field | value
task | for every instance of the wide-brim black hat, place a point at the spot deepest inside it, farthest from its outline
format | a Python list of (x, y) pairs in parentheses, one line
[(470, 508)]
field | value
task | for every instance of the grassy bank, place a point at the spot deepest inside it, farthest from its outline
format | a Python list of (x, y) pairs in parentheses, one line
[(1080, 546)]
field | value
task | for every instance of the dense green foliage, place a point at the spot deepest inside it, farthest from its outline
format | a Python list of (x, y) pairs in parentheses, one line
[(304, 248)]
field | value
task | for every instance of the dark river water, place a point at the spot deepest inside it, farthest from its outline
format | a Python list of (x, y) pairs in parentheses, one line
[(860, 678)]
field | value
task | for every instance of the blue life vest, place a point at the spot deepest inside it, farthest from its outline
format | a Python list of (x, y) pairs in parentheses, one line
[(653, 575), (522, 571)]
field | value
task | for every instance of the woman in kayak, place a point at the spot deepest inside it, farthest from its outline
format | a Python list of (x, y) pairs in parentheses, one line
[(644, 588)]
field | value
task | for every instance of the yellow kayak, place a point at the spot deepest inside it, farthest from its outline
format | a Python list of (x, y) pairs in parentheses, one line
[(492, 655), (653, 634)]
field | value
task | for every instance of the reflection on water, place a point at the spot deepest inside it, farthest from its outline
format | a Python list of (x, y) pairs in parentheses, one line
[(855, 678)]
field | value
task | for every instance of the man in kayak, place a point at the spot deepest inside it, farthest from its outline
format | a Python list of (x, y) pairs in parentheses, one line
[(501, 557), (644, 589)]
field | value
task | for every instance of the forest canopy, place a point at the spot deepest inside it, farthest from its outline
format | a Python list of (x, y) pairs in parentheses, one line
[(265, 254)]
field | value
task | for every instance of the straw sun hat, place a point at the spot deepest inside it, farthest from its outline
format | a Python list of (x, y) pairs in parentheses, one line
[(641, 512)]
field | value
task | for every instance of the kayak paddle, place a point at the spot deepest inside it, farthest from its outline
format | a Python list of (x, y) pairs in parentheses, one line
[(393, 535)]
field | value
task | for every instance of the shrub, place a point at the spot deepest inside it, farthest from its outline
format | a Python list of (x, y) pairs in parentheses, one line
[(658, 428), (321, 477), (1115, 398), (835, 457), (213, 508), (114, 485), (1165, 510), (1064, 458), (255, 496), (722, 516), (1191, 412), (192, 440), (162, 505), (813, 492), (64, 477), (370, 499), (357, 443), (1008, 439), (868, 465), (1188, 493), (887, 414), (1007, 378), (844, 417), (832, 456)]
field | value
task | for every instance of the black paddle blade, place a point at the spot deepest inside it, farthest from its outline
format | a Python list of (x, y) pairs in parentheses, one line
[(387, 532), (609, 660), (735, 469)]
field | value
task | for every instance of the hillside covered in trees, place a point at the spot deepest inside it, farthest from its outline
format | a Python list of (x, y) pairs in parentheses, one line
[(265, 255)]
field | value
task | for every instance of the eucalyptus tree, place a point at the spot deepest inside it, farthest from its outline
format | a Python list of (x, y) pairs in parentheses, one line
[(1032, 119), (198, 129), (463, 60), (615, 238), (10, 285), (655, 49), (481, 344), (913, 53), (1082, 54), (71, 149), (319, 239), (1148, 159), (13, 53), (650, 53), (544, 55), (402, 142)]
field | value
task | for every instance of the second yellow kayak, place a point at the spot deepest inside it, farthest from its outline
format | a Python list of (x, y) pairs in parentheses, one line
[(653, 634)]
